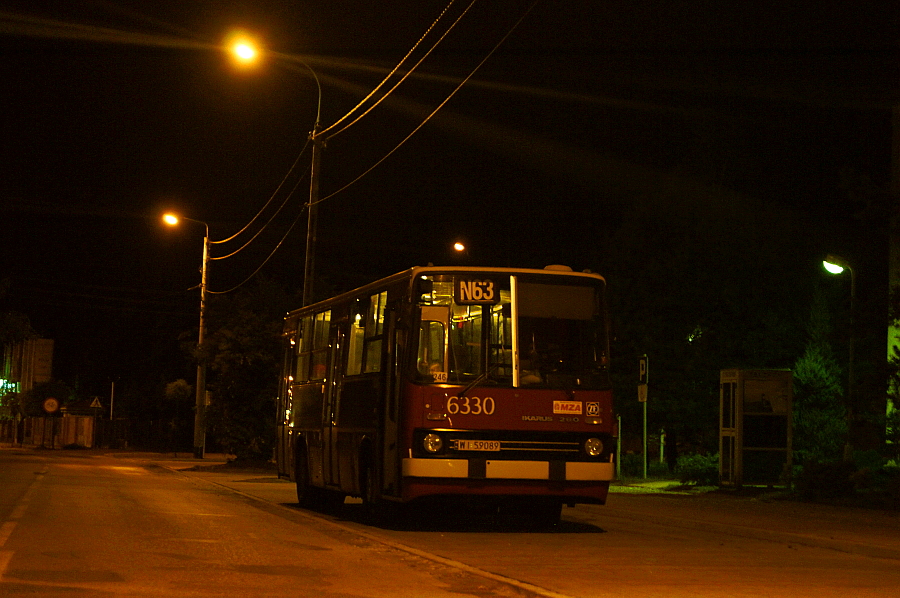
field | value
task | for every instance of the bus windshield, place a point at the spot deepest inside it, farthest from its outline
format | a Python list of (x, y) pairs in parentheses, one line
[(469, 332)]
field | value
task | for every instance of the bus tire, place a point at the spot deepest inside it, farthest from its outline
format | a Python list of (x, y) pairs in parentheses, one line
[(367, 488), (378, 511), (308, 496)]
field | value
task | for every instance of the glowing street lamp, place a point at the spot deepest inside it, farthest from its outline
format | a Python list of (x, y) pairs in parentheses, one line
[(836, 265), (242, 48), (831, 266), (200, 400), (244, 51), (458, 246)]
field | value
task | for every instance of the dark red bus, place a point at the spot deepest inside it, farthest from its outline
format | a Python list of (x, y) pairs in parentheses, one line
[(491, 383)]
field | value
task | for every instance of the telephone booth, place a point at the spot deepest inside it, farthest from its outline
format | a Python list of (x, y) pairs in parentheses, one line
[(755, 431)]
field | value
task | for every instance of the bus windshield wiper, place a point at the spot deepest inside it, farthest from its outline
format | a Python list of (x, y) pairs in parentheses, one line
[(481, 378)]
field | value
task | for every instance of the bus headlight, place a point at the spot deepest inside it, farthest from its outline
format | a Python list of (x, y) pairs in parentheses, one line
[(593, 446), (433, 443)]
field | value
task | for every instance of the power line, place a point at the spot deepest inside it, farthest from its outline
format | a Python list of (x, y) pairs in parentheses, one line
[(255, 272), (386, 156), (274, 193), (271, 218), (396, 68), (441, 105)]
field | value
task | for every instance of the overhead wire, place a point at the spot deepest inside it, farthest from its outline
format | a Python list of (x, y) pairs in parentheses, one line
[(435, 111), (255, 272), (263, 209), (268, 222), (321, 133), (405, 76), (386, 156), (395, 69)]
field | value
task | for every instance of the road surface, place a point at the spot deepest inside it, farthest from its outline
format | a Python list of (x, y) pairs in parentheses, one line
[(83, 523)]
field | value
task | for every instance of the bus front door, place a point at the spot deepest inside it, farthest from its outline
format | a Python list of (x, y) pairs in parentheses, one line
[(390, 417), (332, 402)]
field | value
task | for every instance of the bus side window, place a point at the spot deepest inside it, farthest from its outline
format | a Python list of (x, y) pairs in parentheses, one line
[(320, 345), (357, 336), (374, 332), (430, 362), (304, 347)]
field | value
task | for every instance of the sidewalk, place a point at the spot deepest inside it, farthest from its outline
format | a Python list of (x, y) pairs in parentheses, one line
[(653, 487), (173, 460)]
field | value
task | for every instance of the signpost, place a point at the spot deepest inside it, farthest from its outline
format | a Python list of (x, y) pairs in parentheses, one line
[(643, 376), (51, 406)]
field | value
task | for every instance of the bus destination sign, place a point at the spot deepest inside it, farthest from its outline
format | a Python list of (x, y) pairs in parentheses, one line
[(475, 292)]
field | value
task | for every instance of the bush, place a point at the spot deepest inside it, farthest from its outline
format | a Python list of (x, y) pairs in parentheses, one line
[(892, 486), (827, 481), (633, 467), (655, 469), (700, 470)]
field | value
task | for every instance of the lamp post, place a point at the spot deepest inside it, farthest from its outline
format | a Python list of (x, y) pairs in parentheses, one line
[(246, 52), (313, 208), (200, 399), (836, 265)]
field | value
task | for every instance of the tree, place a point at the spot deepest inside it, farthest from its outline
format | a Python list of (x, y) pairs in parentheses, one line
[(176, 411), (245, 353), (700, 290), (820, 427)]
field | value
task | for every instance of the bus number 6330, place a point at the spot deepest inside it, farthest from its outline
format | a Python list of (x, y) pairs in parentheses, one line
[(470, 405)]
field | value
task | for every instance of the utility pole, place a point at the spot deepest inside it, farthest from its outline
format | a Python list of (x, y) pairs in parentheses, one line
[(200, 401), (313, 214)]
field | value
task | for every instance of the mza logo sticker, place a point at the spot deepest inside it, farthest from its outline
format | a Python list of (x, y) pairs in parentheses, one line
[(592, 409), (567, 407)]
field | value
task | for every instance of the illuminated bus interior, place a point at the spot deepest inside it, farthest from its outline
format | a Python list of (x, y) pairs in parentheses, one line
[(558, 335)]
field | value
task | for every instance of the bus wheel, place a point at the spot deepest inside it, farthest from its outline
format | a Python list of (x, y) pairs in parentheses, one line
[(378, 511), (367, 484), (308, 496)]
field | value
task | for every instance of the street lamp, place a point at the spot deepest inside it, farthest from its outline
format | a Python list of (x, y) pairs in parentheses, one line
[(246, 51), (243, 48), (200, 401), (836, 265)]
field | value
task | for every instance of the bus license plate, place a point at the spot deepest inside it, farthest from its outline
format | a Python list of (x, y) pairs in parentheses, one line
[(478, 445)]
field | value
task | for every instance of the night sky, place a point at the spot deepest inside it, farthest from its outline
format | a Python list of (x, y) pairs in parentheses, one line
[(114, 111)]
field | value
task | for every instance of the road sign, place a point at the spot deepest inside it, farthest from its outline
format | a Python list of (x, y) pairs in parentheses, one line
[(642, 393), (643, 370), (96, 403), (51, 405)]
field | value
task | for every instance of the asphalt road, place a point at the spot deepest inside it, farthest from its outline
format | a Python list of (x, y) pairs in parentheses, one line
[(88, 524)]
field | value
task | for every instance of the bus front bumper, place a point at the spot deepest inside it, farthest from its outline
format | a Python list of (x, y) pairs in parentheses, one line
[(488, 469)]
